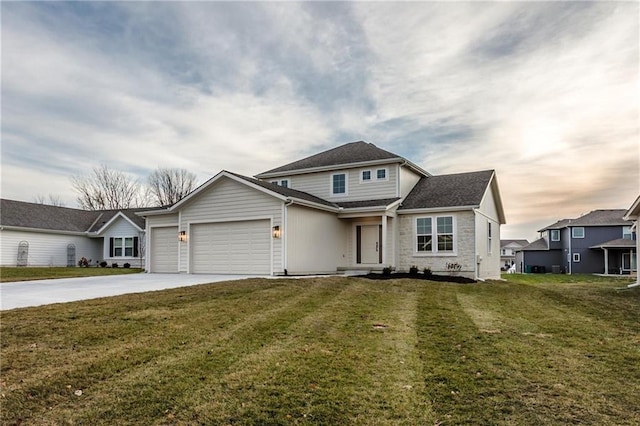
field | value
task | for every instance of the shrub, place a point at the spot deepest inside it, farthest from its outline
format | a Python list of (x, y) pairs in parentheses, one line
[(427, 271), (126, 265), (386, 270), (83, 262), (413, 270), (114, 265), (103, 264)]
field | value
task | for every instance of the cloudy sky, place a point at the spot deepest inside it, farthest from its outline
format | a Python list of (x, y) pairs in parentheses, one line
[(547, 94)]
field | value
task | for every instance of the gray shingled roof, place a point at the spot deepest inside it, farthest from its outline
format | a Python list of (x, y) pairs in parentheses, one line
[(540, 244), (455, 190), (287, 192), (354, 152), (593, 218), (617, 243), (42, 216), (367, 203), (521, 243)]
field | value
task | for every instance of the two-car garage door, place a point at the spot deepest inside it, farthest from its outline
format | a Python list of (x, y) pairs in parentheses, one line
[(242, 247)]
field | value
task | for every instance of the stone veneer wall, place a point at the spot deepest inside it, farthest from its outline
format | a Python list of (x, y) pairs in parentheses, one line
[(465, 245)]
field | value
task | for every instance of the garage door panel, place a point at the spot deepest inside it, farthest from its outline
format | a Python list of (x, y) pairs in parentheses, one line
[(164, 249), (242, 247)]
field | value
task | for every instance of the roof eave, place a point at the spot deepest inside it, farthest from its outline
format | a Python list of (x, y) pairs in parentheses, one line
[(268, 175), (436, 209)]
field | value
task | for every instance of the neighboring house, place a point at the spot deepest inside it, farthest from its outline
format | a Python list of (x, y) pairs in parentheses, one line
[(508, 250), (42, 235), (354, 207), (633, 214), (599, 242)]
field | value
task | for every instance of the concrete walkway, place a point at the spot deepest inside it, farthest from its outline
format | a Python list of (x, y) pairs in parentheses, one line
[(43, 292)]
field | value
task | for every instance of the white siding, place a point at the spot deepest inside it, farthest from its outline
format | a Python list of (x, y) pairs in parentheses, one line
[(408, 180), (489, 267), (316, 241), (319, 184), (464, 235), (164, 249), (164, 220), (123, 228), (227, 200), (47, 249)]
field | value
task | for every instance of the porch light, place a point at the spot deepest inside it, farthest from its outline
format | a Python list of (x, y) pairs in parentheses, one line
[(182, 236), (276, 232)]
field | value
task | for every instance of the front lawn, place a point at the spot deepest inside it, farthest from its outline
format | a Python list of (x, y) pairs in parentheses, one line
[(329, 351), (29, 273)]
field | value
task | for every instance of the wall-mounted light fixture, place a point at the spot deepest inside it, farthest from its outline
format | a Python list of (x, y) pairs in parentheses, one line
[(276, 232), (182, 236)]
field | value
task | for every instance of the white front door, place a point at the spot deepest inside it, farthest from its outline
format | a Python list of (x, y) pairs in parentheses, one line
[(370, 244)]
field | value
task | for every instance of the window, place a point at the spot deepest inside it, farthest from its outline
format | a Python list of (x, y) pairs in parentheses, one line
[(445, 233), (434, 237), (577, 232), (626, 233), (339, 184), (424, 234), (504, 252), (366, 176), (381, 174), (576, 257), (489, 237), (555, 235), (123, 247), (284, 182)]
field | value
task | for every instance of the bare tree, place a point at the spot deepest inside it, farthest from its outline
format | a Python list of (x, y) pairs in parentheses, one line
[(106, 188), (52, 200), (170, 185)]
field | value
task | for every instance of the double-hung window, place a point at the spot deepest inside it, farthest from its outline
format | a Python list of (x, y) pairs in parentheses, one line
[(555, 235), (123, 247), (626, 233), (577, 232), (339, 184), (434, 235)]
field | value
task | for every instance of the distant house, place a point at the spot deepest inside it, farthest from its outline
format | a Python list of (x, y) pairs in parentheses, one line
[(633, 214), (353, 207), (601, 241), (42, 235), (508, 249)]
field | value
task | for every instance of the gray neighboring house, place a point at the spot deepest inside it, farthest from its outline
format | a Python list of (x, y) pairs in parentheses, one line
[(601, 242), (42, 235), (354, 207), (633, 214), (508, 249)]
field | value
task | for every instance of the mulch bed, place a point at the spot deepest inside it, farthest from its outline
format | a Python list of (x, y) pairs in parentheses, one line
[(433, 277)]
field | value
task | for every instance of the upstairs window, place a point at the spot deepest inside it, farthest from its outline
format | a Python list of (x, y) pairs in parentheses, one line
[(577, 232), (284, 182), (626, 233), (339, 184), (366, 175), (381, 174), (555, 235)]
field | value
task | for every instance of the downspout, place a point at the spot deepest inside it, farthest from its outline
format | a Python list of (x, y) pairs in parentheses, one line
[(570, 257), (285, 237)]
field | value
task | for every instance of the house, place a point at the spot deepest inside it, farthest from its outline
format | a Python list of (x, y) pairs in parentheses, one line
[(599, 242), (633, 214), (42, 235), (508, 250), (353, 207)]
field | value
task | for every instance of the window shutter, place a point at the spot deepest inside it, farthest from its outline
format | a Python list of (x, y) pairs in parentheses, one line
[(111, 247), (135, 246)]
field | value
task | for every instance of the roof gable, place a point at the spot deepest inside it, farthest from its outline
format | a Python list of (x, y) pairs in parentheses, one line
[(612, 217), (454, 190), (350, 153), (109, 217)]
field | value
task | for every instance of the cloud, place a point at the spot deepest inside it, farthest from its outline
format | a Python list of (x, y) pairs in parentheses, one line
[(545, 93)]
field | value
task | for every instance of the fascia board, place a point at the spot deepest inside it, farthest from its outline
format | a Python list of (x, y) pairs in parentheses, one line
[(634, 211), (329, 168), (318, 206), (438, 209), (44, 231), (115, 216)]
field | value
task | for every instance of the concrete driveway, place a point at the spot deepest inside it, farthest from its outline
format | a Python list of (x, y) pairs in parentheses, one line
[(44, 292)]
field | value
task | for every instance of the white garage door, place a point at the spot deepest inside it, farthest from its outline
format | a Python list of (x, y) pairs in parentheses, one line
[(164, 249), (231, 247)]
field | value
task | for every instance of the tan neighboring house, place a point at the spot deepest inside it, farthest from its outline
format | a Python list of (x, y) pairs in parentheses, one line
[(633, 214), (353, 207)]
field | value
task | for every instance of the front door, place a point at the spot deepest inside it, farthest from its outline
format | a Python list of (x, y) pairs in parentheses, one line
[(369, 248), (628, 262)]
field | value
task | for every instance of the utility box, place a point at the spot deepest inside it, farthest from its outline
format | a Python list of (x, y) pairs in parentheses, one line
[(555, 269)]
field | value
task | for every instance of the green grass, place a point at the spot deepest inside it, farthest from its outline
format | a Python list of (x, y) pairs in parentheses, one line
[(329, 351), (30, 273)]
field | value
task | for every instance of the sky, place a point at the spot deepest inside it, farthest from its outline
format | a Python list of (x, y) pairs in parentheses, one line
[(545, 93)]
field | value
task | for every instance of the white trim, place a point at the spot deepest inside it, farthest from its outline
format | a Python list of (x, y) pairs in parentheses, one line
[(47, 231), (279, 182), (383, 243), (364, 181), (573, 235), (437, 210), (346, 185), (551, 231), (115, 216), (386, 174), (434, 237), (576, 258), (361, 164)]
